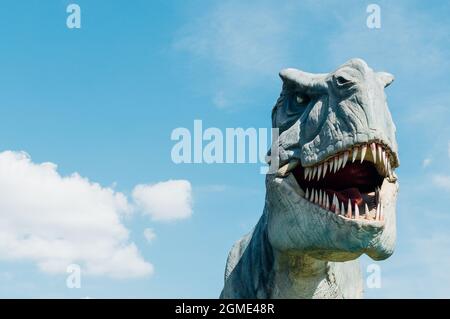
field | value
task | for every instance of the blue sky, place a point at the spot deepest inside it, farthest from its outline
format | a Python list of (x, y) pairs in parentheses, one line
[(103, 100)]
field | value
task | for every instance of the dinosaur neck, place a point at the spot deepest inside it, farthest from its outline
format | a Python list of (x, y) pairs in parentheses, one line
[(301, 276), (256, 270)]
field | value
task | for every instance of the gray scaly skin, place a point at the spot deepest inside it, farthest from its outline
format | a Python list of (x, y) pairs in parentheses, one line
[(303, 245)]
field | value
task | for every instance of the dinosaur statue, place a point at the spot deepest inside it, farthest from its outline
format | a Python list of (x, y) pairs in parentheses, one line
[(333, 197)]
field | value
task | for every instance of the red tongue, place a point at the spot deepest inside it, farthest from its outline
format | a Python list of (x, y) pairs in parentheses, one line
[(344, 195)]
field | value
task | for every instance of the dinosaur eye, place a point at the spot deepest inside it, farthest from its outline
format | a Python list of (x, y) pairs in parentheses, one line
[(302, 99), (340, 80)]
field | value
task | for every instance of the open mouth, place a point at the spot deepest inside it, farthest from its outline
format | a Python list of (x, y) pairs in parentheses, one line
[(348, 183)]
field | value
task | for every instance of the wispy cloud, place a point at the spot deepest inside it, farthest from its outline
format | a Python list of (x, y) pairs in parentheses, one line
[(409, 41), (449, 149), (219, 100), (442, 181), (430, 108), (149, 234), (246, 42), (426, 162), (240, 37), (213, 188), (419, 271)]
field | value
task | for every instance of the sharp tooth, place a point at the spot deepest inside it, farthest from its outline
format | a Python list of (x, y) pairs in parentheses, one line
[(377, 214), (306, 172), (327, 203), (349, 209), (338, 210), (331, 165), (356, 211), (319, 171), (286, 169), (314, 171), (324, 199), (379, 211), (335, 203), (384, 160), (366, 210), (320, 197), (363, 152), (390, 170), (325, 167), (380, 153), (342, 208), (373, 148), (316, 197), (336, 159), (311, 196), (355, 153), (346, 154), (341, 159), (307, 193), (282, 171)]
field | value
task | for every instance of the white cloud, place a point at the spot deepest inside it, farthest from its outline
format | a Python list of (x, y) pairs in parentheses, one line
[(57, 220), (442, 181), (149, 234), (165, 201)]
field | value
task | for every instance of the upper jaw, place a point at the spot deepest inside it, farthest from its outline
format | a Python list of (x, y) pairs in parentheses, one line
[(375, 152), (311, 154)]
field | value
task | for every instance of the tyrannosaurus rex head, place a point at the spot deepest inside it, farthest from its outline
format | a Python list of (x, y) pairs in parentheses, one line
[(334, 196)]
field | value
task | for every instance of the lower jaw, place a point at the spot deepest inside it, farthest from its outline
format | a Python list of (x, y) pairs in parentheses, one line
[(348, 203)]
